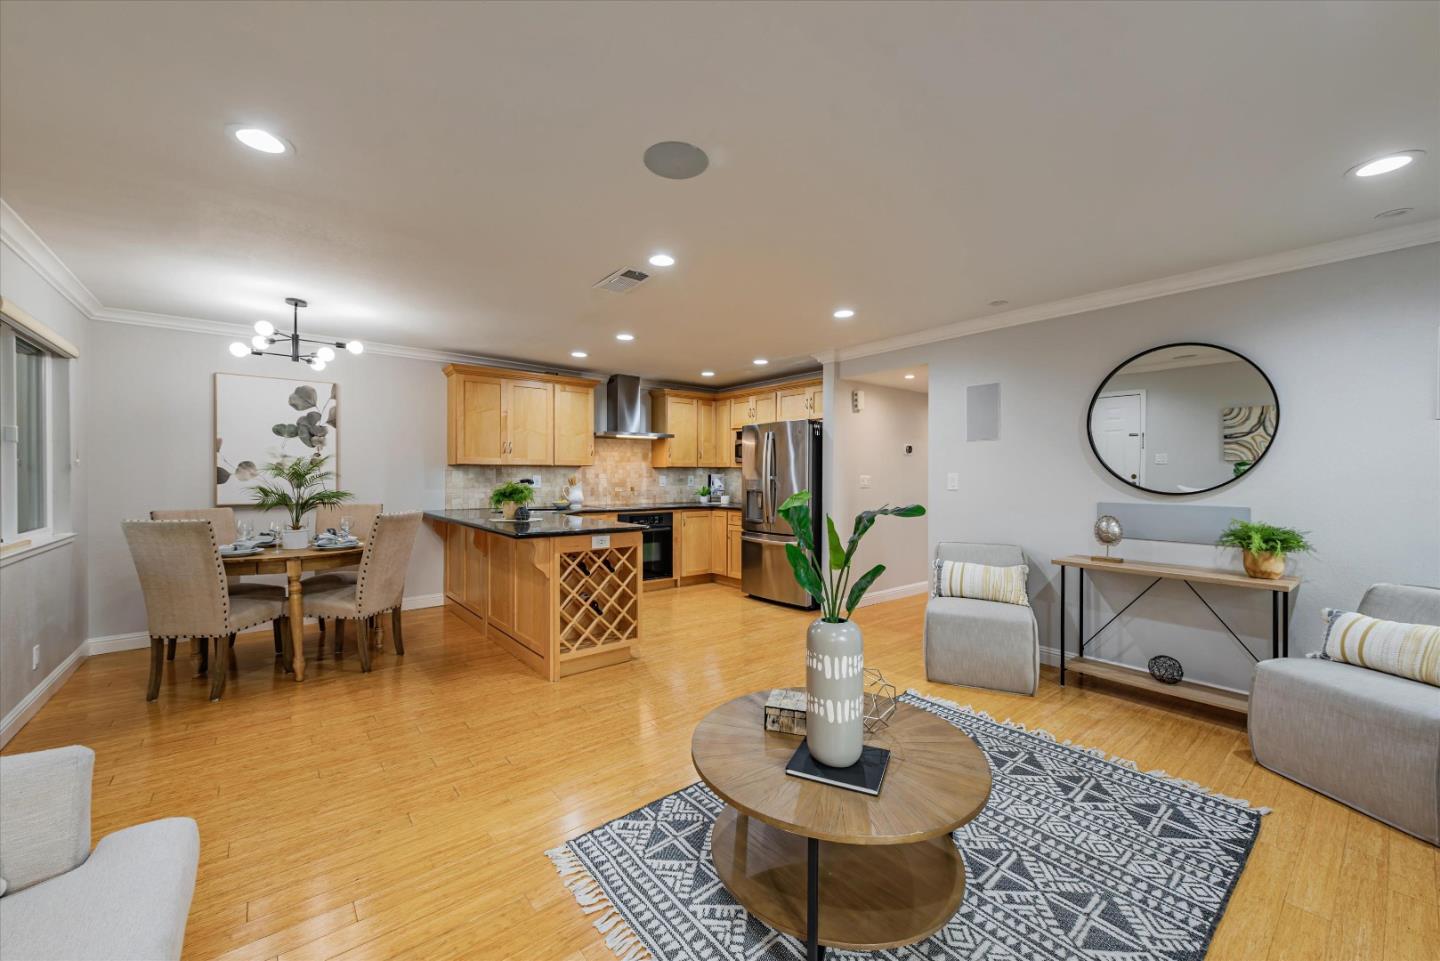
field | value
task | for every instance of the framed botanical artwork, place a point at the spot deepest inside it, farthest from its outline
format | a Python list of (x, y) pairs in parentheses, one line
[(259, 420)]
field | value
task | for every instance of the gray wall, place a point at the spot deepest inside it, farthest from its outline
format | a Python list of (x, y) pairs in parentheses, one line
[(152, 425), (1351, 348), (872, 443), (42, 597), (1182, 419)]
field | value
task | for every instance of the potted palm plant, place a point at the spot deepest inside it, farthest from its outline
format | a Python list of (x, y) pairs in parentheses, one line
[(1263, 546), (298, 487), (834, 648), (510, 497)]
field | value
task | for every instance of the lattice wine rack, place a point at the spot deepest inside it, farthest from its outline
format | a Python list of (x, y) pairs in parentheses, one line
[(599, 604)]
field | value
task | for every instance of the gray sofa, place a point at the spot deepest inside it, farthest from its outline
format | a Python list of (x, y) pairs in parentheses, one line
[(981, 643), (1366, 739), (127, 899)]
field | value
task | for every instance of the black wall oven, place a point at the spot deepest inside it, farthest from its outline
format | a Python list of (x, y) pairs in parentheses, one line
[(658, 552)]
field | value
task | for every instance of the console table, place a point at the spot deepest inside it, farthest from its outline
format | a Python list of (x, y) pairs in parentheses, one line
[(1278, 587)]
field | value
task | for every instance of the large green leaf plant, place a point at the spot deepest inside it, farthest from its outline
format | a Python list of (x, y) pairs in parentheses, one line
[(298, 488), (830, 584)]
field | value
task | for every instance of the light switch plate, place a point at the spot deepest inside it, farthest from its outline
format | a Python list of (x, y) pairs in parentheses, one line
[(864, 482), (1162, 458), (952, 482), (598, 541)]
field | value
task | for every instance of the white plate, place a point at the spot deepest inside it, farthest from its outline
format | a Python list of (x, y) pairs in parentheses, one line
[(336, 547), (249, 552)]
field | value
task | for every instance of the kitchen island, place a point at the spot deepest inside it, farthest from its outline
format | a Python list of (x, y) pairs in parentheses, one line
[(560, 592)]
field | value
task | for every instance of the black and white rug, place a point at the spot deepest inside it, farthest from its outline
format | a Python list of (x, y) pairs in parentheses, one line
[(1076, 856)]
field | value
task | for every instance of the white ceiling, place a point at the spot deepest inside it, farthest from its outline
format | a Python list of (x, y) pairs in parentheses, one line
[(919, 383), (465, 172)]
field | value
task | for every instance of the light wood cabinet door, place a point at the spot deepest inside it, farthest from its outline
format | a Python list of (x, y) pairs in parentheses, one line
[(574, 425), (529, 422), (717, 542), (500, 592), (817, 402), (476, 575), (708, 440), (532, 594), (732, 551), (694, 543), (793, 404), (455, 537), (477, 420), (679, 419), (740, 412), (764, 409)]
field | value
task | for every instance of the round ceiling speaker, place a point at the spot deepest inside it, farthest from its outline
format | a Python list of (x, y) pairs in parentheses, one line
[(676, 160)]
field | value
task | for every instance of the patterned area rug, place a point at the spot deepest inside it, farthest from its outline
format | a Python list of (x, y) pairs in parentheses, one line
[(1076, 856)]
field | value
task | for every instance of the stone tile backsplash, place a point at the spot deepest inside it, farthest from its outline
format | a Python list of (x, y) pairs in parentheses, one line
[(621, 476)]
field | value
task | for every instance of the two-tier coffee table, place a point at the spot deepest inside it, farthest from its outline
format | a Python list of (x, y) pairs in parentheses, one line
[(836, 867)]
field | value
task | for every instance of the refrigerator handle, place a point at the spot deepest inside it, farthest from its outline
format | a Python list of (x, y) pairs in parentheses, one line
[(771, 479)]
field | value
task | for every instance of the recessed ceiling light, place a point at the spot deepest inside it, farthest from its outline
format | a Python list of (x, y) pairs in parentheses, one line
[(661, 260), (676, 160), (625, 337), (580, 354), (261, 140), (999, 303), (844, 313), (707, 373), (1397, 212), (1386, 164), (909, 376), (760, 362)]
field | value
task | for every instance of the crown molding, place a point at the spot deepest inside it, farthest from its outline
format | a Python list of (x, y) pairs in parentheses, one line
[(1365, 245), (16, 234)]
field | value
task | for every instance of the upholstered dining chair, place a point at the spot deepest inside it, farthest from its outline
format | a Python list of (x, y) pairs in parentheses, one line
[(187, 594), (378, 588), (362, 519), (223, 519)]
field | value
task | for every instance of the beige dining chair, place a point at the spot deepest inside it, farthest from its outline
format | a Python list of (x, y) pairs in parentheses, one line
[(379, 586), (187, 595), (362, 519)]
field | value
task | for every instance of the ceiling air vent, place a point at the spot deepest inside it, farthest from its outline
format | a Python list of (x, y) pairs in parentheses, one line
[(622, 280)]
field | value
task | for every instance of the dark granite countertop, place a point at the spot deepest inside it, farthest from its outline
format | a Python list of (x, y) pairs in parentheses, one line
[(541, 524), (690, 505)]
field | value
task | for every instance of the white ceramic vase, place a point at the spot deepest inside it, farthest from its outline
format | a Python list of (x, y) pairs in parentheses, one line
[(835, 692), (294, 540), (576, 496)]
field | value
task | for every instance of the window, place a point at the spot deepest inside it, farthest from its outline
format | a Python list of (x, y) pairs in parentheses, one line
[(24, 441)]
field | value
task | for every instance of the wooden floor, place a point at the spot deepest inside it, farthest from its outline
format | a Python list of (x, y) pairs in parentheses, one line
[(405, 813)]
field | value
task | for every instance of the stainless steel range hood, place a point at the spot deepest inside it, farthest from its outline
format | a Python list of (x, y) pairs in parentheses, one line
[(625, 410)]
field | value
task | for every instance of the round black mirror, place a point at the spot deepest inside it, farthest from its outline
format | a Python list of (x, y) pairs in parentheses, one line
[(1183, 419)]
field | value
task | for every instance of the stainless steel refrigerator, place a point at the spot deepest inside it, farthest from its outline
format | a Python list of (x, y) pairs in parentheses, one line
[(776, 460)]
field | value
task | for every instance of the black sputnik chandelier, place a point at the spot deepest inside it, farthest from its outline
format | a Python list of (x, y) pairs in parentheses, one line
[(266, 336)]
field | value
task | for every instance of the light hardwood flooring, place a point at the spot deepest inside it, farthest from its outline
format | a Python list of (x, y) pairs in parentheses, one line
[(405, 813)]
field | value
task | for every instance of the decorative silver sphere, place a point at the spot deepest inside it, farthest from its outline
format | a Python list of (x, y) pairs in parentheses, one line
[(1108, 530)]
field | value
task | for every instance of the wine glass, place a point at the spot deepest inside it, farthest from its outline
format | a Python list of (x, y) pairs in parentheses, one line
[(244, 530), (345, 528)]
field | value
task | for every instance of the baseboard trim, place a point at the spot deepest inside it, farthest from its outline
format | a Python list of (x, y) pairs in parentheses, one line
[(895, 593), (31, 703)]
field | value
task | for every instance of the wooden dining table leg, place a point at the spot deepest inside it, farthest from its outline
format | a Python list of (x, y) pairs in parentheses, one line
[(297, 619)]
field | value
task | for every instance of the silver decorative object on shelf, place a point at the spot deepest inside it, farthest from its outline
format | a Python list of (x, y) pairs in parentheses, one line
[(879, 700), (1108, 532)]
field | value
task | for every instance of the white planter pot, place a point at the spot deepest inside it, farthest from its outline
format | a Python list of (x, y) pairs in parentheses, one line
[(835, 689), (292, 540)]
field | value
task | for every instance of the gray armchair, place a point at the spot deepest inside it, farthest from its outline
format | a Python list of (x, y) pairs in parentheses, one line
[(981, 643), (1365, 738), (127, 899)]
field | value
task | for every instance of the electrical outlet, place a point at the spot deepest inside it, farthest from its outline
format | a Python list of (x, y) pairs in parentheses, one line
[(864, 482), (664, 479), (952, 482), (35, 658)]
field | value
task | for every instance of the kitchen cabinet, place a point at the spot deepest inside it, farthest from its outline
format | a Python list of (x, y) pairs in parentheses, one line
[(676, 415), (708, 443), (477, 569), (732, 551), (817, 401), (793, 403), (496, 416), (574, 425), (694, 546), (500, 593), (455, 563), (717, 541), (752, 409)]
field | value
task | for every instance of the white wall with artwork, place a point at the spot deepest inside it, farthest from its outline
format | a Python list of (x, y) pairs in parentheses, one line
[(260, 420)]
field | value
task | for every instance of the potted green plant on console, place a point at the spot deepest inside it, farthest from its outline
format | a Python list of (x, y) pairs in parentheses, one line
[(834, 648), (510, 497), (299, 487), (1264, 546)]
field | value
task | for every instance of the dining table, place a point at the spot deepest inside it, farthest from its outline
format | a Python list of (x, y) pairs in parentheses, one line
[(292, 563)]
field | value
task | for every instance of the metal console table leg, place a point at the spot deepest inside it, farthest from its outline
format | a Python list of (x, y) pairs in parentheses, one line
[(1063, 569), (814, 950)]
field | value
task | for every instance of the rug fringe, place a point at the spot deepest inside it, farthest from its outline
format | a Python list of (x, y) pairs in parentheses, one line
[(1096, 752), (620, 938)]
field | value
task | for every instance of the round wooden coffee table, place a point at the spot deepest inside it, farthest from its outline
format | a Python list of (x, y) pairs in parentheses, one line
[(836, 867)]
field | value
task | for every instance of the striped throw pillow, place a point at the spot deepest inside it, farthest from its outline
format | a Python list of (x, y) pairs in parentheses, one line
[(982, 582), (1407, 650)]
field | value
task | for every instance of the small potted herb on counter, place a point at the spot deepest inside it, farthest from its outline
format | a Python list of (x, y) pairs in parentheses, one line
[(703, 493), (509, 498), (1264, 546)]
